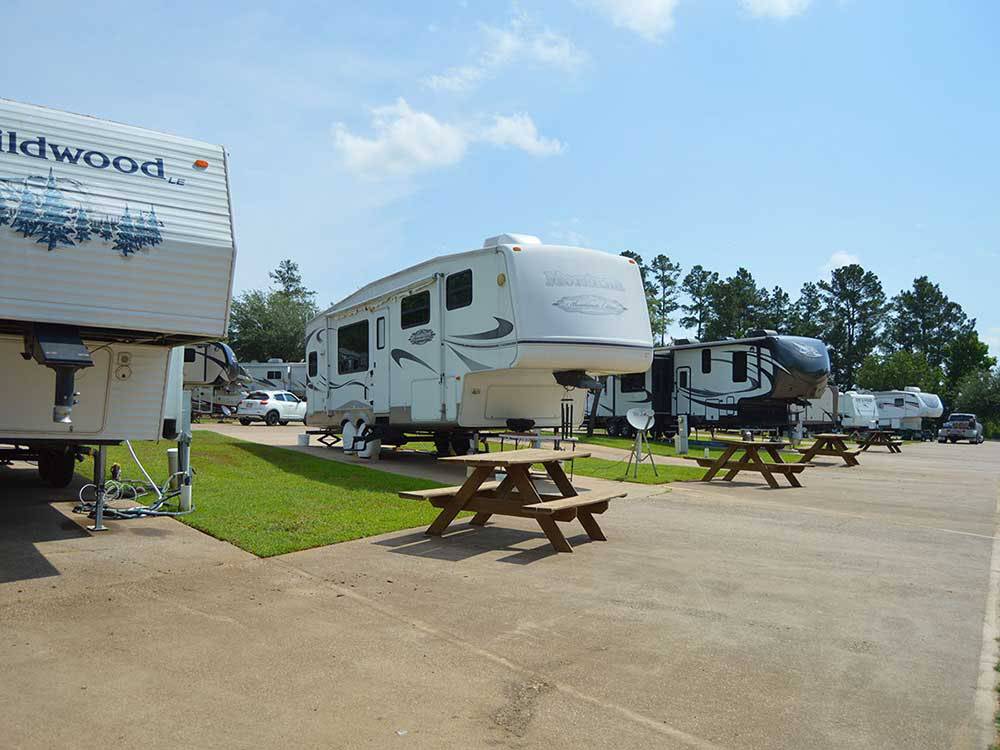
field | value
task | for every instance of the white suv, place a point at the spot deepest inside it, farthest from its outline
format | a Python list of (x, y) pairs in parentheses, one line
[(271, 408)]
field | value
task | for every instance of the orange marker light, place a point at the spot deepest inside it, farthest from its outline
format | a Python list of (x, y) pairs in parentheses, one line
[(631, 261), (201, 164), (516, 249)]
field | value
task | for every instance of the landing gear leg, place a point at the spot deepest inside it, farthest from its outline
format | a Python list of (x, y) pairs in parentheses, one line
[(100, 462)]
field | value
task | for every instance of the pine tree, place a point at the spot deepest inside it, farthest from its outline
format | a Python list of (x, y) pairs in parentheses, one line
[(665, 274), (82, 227), (54, 218), (854, 311), (153, 227), (105, 228), (26, 214), (696, 284), (125, 236)]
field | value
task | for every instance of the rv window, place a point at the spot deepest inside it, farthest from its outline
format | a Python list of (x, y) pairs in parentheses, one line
[(897, 402), (313, 364), (380, 333), (706, 360), (458, 290), (352, 348), (189, 354), (633, 382), (739, 367), (415, 310), (274, 374), (682, 378)]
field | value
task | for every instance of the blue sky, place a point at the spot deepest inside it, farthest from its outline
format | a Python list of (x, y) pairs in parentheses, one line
[(788, 136)]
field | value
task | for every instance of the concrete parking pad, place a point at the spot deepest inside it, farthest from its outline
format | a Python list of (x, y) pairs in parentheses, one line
[(852, 613)]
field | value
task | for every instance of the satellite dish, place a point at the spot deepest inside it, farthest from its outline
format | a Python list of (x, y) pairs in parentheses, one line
[(641, 419)]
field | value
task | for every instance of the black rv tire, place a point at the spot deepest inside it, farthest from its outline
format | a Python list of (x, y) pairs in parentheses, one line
[(612, 428), (271, 418), (283, 422), (246, 422), (442, 445), (56, 467), (461, 445)]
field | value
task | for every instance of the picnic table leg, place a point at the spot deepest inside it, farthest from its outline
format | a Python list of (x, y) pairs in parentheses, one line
[(557, 475), (811, 451), (765, 472), (590, 525), (731, 474), (452, 509), (502, 492), (840, 445), (719, 463), (554, 534)]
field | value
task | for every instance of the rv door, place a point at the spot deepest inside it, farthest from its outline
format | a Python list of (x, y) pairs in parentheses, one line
[(380, 361), (682, 388)]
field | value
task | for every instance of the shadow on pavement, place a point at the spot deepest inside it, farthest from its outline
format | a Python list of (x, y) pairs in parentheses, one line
[(29, 518)]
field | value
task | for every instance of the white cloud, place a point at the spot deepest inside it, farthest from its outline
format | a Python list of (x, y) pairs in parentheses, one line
[(839, 259), (406, 141), (519, 131), (519, 41), (780, 9), (650, 19)]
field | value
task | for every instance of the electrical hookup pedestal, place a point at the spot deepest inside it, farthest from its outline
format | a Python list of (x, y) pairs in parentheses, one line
[(184, 454)]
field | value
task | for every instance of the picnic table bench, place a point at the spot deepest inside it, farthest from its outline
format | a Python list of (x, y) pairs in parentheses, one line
[(830, 444), (516, 494), (751, 461), (881, 437)]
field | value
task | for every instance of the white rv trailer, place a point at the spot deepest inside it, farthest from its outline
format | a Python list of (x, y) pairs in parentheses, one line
[(502, 336), (858, 411), (116, 244), (276, 374), (905, 410), (819, 414), (747, 382)]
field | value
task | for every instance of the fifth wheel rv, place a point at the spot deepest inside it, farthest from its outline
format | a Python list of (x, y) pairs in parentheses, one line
[(116, 245), (747, 382), (505, 336)]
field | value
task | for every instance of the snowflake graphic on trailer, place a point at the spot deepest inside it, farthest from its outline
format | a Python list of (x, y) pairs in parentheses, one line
[(59, 212)]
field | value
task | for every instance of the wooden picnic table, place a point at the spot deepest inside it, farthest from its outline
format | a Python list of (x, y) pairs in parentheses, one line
[(881, 437), (751, 460), (830, 444), (516, 494)]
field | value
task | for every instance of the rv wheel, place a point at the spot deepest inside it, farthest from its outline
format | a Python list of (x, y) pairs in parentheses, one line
[(612, 428), (246, 422), (271, 418), (461, 445), (56, 468), (443, 445), (283, 423)]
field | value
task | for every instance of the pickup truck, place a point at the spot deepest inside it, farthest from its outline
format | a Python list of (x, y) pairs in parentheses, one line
[(961, 427)]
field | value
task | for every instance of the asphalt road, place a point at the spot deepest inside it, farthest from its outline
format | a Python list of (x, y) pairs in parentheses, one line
[(856, 612)]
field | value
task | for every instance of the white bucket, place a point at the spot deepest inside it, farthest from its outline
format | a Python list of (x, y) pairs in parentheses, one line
[(303, 439)]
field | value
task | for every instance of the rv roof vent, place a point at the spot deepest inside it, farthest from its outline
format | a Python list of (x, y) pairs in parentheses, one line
[(911, 389), (511, 239), (681, 342), (275, 361), (758, 332)]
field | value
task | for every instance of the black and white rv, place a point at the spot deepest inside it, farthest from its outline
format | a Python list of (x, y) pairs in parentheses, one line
[(504, 336), (747, 382)]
